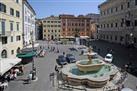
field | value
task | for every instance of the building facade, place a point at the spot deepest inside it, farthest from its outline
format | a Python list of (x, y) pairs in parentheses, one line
[(118, 21), (39, 29), (75, 26), (51, 28), (93, 24), (29, 28), (10, 28)]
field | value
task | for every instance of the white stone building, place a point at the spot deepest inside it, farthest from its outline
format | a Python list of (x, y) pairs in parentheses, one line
[(10, 28), (28, 23), (118, 21)]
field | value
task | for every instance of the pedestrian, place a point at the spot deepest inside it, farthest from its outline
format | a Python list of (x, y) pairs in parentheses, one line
[(63, 53), (56, 69), (99, 51), (57, 50), (21, 69), (111, 51), (30, 77)]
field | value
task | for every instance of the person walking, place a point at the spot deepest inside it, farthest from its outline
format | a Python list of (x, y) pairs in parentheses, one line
[(30, 77), (63, 53)]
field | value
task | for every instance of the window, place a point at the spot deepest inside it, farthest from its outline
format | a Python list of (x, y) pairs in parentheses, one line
[(111, 10), (4, 40), (4, 54), (11, 38), (17, 1), (17, 38), (17, 26), (135, 40), (121, 7), (55, 30), (128, 4), (44, 21), (115, 37), (107, 25), (17, 14), (11, 26), (111, 37), (104, 25), (64, 24), (111, 24), (12, 52), (135, 2), (115, 24), (107, 36), (116, 9), (63, 29), (121, 24), (135, 22), (11, 11), (3, 27), (2, 7)]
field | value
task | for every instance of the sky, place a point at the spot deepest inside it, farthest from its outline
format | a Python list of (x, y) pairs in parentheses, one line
[(45, 8)]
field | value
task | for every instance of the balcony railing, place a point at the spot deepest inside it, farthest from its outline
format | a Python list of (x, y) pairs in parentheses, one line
[(8, 33), (5, 33)]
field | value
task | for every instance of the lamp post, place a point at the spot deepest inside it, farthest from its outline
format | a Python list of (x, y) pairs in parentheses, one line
[(33, 65)]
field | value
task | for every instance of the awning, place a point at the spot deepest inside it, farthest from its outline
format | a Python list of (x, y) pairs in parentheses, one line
[(26, 55), (67, 37), (6, 64), (84, 37)]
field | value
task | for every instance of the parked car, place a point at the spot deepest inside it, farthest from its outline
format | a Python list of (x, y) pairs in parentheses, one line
[(70, 58), (109, 58), (61, 60), (73, 49)]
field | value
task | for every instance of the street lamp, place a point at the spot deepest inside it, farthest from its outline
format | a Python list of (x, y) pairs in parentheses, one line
[(33, 65)]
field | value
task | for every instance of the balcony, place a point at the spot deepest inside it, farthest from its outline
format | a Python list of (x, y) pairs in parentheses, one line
[(9, 33), (5, 33)]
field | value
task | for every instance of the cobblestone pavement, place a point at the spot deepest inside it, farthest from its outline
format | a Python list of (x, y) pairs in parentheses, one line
[(45, 66)]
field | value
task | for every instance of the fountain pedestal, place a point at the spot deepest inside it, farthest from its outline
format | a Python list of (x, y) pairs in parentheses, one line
[(89, 65)]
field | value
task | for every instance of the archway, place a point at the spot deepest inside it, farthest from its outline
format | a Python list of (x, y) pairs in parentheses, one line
[(4, 54)]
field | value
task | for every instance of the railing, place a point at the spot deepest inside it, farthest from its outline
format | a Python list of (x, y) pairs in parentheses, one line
[(5, 33), (8, 33)]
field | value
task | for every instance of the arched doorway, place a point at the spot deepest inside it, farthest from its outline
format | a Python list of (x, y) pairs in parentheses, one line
[(52, 37), (18, 50), (4, 54)]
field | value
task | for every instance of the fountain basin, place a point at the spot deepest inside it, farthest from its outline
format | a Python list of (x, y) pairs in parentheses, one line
[(74, 76), (85, 67)]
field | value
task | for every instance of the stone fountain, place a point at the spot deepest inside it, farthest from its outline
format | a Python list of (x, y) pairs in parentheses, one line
[(90, 65), (93, 72)]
